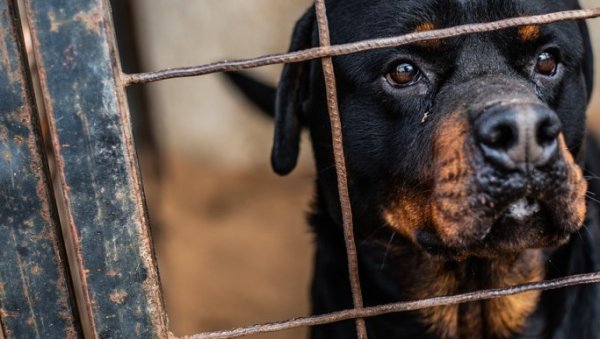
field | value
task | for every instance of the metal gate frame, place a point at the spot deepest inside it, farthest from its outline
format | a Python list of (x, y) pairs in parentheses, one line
[(112, 274)]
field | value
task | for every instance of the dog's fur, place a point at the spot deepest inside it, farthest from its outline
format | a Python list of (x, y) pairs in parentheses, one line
[(431, 210)]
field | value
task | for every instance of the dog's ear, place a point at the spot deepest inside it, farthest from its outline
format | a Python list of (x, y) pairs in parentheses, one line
[(588, 58), (291, 93)]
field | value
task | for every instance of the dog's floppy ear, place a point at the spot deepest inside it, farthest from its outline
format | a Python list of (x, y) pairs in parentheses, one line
[(588, 58), (588, 61), (291, 93)]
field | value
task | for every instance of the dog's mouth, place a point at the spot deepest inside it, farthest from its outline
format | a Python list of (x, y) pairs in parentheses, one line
[(523, 209), (523, 224), (475, 211)]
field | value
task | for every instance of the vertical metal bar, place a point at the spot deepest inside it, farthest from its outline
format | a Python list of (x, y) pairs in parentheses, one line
[(340, 166), (35, 300), (81, 79)]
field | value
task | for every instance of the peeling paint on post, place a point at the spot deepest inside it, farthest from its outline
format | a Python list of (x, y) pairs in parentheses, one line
[(35, 299), (116, 274)]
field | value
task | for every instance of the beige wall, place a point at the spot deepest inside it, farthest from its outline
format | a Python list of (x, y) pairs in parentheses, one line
[(594, 111), (200, 118)]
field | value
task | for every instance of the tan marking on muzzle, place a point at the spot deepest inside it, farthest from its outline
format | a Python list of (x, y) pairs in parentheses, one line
[(450, 211), (577, 187), (407, 214)]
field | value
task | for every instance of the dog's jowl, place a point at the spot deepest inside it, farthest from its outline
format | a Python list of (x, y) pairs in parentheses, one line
[(467, 167)]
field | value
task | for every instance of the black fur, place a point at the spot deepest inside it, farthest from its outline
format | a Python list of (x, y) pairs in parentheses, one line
[(389, 146)]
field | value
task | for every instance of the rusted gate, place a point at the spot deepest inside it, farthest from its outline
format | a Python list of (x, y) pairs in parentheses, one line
[(103, 230)]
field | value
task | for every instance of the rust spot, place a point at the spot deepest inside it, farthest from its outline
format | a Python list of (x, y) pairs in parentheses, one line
[(118, 296), (9, 314), (529, 32), (54, 23), (92, 20), (36, 270), (112, 273)]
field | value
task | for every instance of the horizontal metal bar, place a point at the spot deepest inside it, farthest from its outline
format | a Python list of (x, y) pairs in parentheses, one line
[(320, 52), (581, 279), (35, 295)]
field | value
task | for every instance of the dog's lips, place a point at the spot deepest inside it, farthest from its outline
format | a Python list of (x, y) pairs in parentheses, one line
[(524, 223)]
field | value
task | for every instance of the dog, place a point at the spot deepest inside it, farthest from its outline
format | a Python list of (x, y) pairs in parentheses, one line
[(467, 167)]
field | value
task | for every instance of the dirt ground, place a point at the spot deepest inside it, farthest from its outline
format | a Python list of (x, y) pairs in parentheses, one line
[(234, 249)]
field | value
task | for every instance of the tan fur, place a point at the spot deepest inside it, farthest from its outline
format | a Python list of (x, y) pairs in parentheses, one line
[(577, 183), (407, 214), (508, 315), (449, 209), (424, 27), (529, 33), (502, 316)]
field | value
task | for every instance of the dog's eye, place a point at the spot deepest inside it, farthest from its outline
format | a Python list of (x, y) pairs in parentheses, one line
[(403, 74), (546, 64)]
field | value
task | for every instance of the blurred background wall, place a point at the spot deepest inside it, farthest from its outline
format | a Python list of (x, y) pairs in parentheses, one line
[(232, 243)]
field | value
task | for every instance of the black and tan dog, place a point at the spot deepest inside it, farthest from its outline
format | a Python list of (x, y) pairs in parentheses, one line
[(466, 161)]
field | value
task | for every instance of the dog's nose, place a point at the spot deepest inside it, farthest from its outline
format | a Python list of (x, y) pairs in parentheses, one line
[(518, 136)]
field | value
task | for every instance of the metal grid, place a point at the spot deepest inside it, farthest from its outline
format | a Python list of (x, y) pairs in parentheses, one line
[(114, 272)]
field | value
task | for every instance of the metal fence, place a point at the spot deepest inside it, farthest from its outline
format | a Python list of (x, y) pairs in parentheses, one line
[(103, 228)]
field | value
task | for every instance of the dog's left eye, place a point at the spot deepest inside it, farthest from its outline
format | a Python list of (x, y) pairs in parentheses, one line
[(403, 74), (546, 63)]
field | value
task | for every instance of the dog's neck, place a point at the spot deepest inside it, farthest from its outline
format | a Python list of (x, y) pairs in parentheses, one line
[(407, 273), (501, 317)]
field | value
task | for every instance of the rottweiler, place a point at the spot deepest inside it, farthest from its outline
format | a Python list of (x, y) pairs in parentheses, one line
[(467, 167)]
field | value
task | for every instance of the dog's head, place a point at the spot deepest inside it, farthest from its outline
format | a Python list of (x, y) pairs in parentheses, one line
[(468, 145)]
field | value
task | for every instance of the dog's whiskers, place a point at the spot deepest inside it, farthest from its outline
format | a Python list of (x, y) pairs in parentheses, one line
[(387, 249), (587, 229), (370, 235), (554, 266), (591, 198)]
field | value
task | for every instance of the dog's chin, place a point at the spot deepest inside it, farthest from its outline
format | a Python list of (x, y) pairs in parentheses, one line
[(524, 224)]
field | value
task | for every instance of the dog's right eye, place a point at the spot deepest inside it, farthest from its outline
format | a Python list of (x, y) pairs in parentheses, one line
[(403, 74)]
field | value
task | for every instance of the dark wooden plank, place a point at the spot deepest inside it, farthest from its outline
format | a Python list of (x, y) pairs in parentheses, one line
[(35, 299), (117, 277)]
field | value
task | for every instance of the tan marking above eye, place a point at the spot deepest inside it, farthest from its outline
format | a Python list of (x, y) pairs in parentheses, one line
[(529, 32), (424, 27)]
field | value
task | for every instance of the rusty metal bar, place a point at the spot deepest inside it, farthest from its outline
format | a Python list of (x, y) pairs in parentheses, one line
[(343, 49), (104, 210), (340, 166), (35, 296)]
